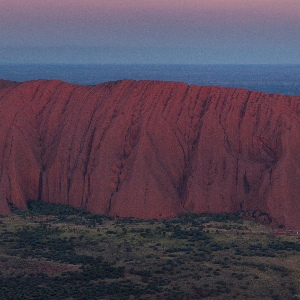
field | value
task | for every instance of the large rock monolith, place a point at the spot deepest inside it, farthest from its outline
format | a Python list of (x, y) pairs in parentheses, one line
[(150, 149)]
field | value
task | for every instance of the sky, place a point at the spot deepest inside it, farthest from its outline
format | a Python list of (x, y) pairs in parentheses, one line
[(150, 31)]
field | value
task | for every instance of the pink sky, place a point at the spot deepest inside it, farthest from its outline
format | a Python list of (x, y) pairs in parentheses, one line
[(72, 8), (198, 26)]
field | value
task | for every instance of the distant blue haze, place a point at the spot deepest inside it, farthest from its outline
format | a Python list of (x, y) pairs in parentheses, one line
[(283, 79)]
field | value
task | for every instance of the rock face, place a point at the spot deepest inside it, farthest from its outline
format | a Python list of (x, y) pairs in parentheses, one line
[(7, 83), (150, 149)]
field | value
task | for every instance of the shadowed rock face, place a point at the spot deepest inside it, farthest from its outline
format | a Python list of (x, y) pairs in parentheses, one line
[(150, 149), (7, 83)]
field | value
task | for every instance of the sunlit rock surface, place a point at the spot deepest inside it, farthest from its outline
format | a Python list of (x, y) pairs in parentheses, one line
[(150, 149)]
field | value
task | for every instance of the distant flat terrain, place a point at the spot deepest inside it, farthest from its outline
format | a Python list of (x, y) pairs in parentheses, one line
[(283, 79)]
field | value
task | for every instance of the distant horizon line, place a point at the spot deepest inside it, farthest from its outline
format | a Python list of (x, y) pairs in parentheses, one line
[(149, 64)]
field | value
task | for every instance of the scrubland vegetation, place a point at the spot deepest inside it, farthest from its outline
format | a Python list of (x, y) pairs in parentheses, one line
[(57, 252)]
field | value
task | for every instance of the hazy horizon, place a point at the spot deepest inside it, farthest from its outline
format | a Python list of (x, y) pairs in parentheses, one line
[(151, 64), (281, 79)]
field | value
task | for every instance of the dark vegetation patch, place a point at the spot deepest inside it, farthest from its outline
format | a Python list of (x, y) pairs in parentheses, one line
[(54, 251)]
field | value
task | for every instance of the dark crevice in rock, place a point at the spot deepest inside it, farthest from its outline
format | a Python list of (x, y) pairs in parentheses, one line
[(40, 193), (247, 186)]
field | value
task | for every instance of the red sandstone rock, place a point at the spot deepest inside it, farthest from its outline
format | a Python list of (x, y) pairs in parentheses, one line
[(7, 83), (150, 149)]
